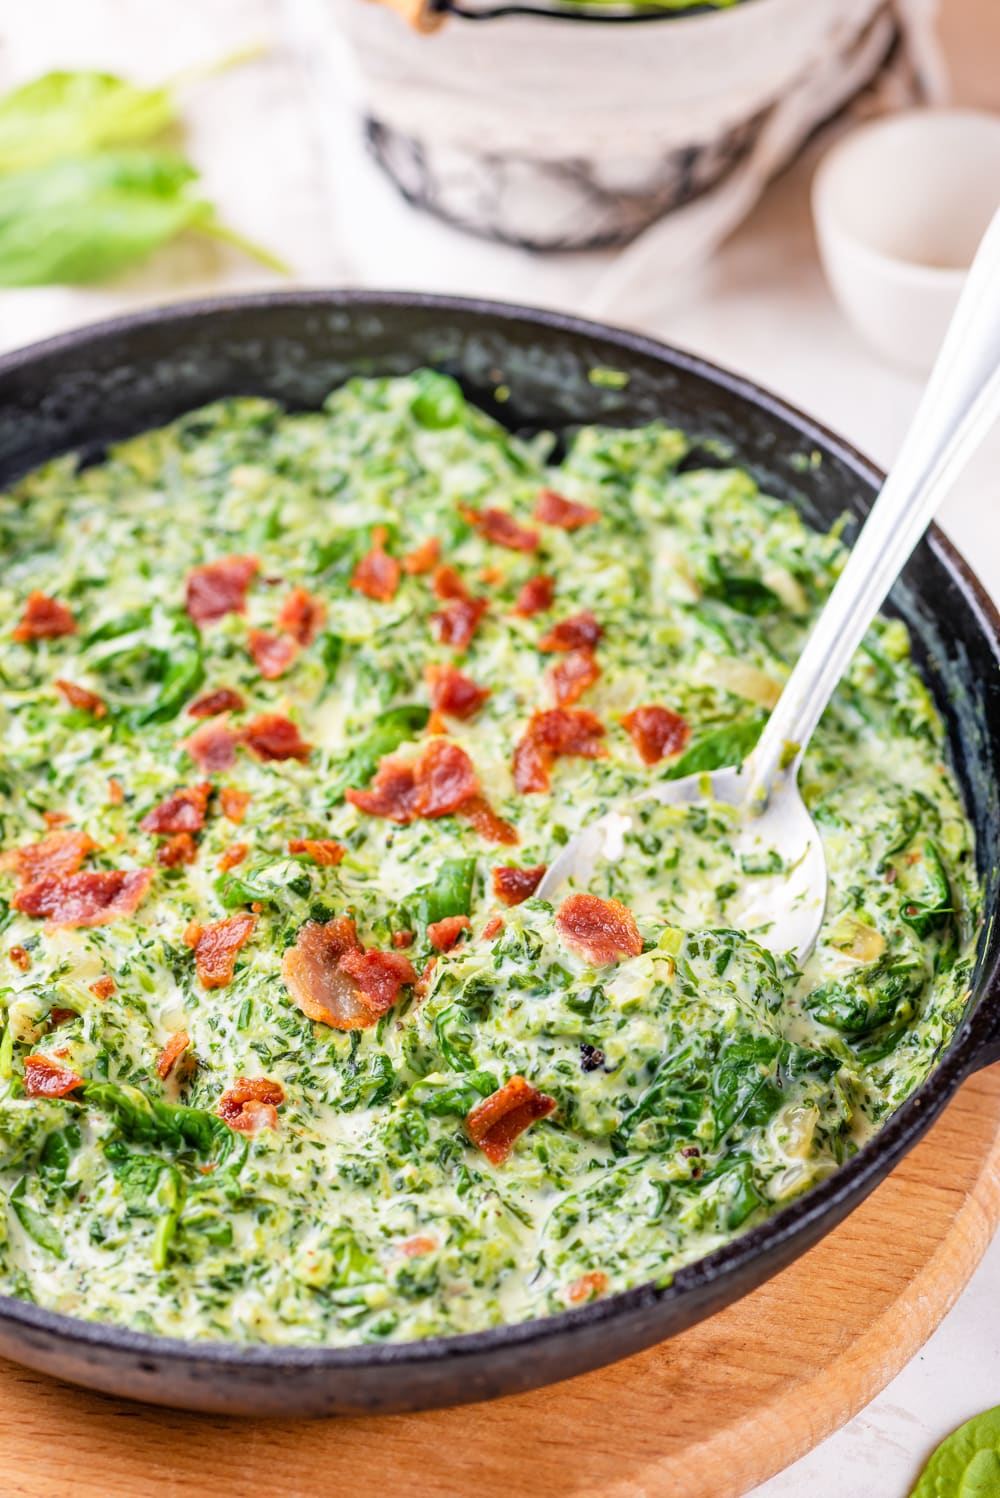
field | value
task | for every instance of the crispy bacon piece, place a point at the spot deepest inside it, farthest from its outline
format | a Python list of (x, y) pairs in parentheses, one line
[(656, 732), (183, 811), (57, 854), (570, 731), (273, 654), (444, 934), (179, 848), (602, 931), (424, 558), (53, 819), (104, 987), (379, 976), (512, 885), (272, 736), (492, 928), (456, 623), (435, 784), (496, 1122), (219, 588), (234, 803), (213, 745), (233, 855), (251, 1104), (536, 595), (94, 899), (20, 958), (579, 632), (44, 1077), (377, 573), (335, 982), (216, 946), (498, 526), (588, 1287), (491, 828), (454, 693), (403, 939), (554, 509), (116, 793), (222, 700), (570, 677), (172, 1053), (322, 850), (302, 616), (43, 618), (80, 697), (416, 1248)]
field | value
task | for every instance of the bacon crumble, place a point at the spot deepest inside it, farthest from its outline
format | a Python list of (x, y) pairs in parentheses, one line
[(171, 1054), (434, 784), (272, 654), (492, 928), (491, 828), (233, 856), (103, 987), (423, 558), (579, 632), (20, 957), (213, 745), (656, 732), (500, 527), (179, 848), (222, 700), (377, 574), (302, 616), (183, 811), (85, 899), (602, 931), (59, 853), (456, 623), (554, 509), (513, 885), (272, 736), (44, 618), (562, 731), (251, 1104), (82, 699), (443, 934), (218, 588), (44, 1077), (335, 982), (454, 693), (589, 1286), (217, 945), (322, 850), (495, 1123), (234, 803), (536, 595), (570, 676)]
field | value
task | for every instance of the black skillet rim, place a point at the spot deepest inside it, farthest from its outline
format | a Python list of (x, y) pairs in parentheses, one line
[(974, 1044)]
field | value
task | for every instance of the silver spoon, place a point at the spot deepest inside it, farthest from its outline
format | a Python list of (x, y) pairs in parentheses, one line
[(960, 404)]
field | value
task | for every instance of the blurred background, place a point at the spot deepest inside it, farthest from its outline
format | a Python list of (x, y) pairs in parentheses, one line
[(789, 187)]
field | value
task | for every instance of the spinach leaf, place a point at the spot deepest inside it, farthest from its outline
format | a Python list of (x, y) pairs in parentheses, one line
[(35, 1224), (439, 401), (873, 996), (124, 624), (928, 907), (390, 729), (747, 595), (450, 892), (88, 217), (70, 114), (458, 1098), (967, 1463), (150, 1121), (369, 1085), (720, 748), (185, 673)]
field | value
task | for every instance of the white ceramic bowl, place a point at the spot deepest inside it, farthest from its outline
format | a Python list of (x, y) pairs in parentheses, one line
[(567, 132), (900, 206)]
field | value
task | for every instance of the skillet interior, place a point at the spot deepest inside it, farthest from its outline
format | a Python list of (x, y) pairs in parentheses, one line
[(86, 389)]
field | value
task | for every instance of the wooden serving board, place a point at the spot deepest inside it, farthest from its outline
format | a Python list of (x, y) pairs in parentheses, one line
[(707, 1415)]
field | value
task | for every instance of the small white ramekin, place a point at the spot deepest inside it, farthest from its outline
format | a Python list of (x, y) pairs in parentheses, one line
[(900, 205)]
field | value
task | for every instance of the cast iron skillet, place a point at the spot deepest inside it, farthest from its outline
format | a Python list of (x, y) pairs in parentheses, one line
[(87, 388)]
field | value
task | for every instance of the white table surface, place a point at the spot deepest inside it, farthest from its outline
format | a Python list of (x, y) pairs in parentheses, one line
[(280, 154)]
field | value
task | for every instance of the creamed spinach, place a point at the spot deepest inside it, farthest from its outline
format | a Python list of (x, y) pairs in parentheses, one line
[(699, 1085)]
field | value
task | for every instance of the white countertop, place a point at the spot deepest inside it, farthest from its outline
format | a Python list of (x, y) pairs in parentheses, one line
[(282, 159)]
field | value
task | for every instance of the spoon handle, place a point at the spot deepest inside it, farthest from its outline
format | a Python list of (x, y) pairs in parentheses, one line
[(958, 407)]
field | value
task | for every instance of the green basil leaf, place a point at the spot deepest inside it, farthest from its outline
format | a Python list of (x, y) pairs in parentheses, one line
[(967, 1463)]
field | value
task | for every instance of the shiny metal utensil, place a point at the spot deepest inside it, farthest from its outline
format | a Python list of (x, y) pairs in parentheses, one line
[(960, 404)]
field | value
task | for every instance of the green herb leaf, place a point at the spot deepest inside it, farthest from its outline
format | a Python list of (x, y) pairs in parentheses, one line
[(967, 1463), (70, 114)]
